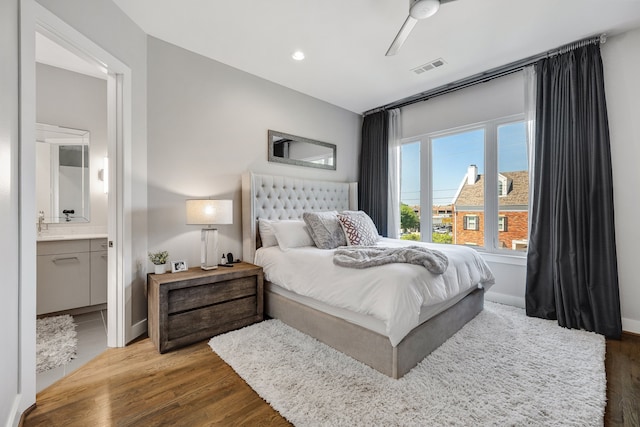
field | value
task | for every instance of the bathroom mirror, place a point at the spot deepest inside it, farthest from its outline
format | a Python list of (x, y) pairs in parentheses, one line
[(62, 174), (295, 150)]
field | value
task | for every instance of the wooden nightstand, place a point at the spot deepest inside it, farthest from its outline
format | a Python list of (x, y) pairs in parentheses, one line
[(194, 305)]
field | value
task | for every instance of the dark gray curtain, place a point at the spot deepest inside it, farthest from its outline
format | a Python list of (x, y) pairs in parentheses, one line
[(374, 169), (572, 272)]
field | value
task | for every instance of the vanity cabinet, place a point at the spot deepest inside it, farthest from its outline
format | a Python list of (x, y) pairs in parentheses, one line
[(98, 271), (71, 274)]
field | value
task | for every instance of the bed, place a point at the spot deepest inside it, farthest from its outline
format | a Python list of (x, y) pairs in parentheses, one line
[(391, 345)]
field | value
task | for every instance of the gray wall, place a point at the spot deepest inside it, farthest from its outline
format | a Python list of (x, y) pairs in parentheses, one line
[(621, 71), (9, 187), (208, 124), (73, 100), (107, 26)]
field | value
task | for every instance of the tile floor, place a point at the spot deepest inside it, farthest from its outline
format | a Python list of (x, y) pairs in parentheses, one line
[(92, 340)]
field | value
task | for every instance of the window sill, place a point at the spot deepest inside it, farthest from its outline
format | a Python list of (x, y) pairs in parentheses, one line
[(520, 259)]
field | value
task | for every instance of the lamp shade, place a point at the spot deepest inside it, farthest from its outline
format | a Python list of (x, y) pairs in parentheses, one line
[(207, 212)]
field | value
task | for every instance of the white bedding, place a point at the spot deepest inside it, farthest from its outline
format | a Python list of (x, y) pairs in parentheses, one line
[(393, 293)]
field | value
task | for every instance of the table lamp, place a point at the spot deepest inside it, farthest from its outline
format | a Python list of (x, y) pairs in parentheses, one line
[(209, 212)]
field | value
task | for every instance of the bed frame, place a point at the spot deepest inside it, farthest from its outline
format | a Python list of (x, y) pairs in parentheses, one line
[(279, 197)]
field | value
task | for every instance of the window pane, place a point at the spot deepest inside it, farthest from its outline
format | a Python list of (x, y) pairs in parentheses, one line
[(502, 223), (513, 203), (458, 188), (410, 192)]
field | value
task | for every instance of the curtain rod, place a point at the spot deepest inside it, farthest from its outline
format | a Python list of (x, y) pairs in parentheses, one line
[(486, 76)]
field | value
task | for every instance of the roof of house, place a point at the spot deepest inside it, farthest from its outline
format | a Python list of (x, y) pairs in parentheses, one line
[(473, 195)]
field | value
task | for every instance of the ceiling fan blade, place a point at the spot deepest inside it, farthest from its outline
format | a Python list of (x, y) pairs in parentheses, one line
[(402, 35)]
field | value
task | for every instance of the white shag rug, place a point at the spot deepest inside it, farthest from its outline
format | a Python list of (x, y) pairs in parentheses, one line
[(56, 342), (502, 368)]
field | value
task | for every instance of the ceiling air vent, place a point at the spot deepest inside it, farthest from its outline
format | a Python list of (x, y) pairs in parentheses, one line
[(429, 66)]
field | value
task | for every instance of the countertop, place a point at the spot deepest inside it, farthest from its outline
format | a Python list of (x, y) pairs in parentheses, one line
[(55, 237)]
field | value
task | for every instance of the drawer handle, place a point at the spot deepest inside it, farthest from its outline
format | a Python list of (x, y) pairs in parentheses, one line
[(71, 258), (104, 256), (104, 245)]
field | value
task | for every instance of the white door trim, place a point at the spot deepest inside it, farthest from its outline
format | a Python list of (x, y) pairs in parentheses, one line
[(27, 209)]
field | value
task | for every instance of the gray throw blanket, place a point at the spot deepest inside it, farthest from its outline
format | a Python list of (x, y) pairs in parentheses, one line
[(371, 256)]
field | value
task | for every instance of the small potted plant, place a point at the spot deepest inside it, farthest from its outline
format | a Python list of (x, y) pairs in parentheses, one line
[(159, 260)]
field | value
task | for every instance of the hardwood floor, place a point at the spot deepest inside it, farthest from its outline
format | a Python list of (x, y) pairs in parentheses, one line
[(623, 381), (136, 386)]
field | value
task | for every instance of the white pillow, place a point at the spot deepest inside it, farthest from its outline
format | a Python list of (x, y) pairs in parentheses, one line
[(292, 234), (267, 235)]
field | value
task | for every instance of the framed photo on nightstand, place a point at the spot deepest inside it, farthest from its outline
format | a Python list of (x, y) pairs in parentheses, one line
[(178, 265)]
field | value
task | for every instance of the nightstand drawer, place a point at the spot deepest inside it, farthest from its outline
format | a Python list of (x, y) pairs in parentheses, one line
[(182, 324), (213, 293)]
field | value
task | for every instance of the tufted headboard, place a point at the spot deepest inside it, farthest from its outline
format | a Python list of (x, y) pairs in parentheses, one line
[(282, 197)]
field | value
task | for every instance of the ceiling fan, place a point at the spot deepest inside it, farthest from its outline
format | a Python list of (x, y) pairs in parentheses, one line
[(418, 9)]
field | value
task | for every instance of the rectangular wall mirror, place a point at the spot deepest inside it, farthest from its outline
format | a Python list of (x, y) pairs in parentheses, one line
[(296, 150), (62, 174)]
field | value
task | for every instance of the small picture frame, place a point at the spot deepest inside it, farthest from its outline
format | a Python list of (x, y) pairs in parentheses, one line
[(179, 265)]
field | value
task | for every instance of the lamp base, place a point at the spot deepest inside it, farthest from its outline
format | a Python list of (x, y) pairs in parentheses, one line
[(209, 249)]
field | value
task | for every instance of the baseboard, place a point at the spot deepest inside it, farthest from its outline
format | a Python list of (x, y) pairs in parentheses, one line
[(13, 418), (628, 325), (504, 299), (75, 311), (631, 325), (25, 413), (138, 329)]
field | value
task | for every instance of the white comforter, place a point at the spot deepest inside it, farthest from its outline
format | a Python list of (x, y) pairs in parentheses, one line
[(393, 293)]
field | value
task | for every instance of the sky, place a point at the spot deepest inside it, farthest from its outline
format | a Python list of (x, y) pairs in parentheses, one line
[(452, 155)]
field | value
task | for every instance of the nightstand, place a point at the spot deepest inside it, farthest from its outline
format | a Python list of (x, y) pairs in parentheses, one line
[(194, 305)]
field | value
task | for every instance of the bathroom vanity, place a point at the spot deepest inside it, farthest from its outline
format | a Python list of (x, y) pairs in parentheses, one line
[(72, 272)]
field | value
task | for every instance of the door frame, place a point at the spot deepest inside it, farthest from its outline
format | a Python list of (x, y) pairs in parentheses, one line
[(34, 17)]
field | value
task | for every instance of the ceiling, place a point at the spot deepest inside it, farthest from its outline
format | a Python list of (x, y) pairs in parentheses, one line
[(345, 40)]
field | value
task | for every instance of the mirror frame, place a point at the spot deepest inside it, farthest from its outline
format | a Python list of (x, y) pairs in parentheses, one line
[(276, 159)]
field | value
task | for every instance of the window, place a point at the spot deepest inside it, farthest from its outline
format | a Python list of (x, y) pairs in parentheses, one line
[(474, 182), (502, 223), (410, 191), (457, 160), (503, 185), (470, 222), (513, 203)]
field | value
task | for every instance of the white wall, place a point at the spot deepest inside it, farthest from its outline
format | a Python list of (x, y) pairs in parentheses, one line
[(107, 26), (621, 72), (208, 124), (487, 101), (73, 100), (9, 226)]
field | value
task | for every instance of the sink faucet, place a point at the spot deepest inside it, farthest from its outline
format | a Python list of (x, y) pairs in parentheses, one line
[(68, 212), (40, 220)]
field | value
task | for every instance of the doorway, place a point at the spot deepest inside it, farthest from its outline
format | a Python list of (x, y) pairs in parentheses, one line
[(35, 18), (72, 204)]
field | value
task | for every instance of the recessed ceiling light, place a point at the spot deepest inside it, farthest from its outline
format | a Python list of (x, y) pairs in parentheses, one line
[(298, 55)]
